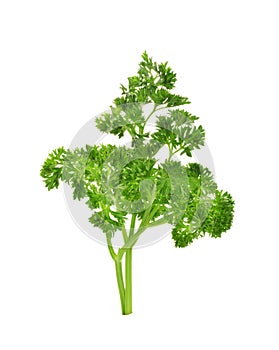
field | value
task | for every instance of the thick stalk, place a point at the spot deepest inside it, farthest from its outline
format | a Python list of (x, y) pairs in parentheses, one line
[(128, 270), (125, 292), (119, 277), (128, 276)]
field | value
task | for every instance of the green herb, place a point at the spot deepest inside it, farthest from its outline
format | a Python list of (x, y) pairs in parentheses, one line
[(128, 186)]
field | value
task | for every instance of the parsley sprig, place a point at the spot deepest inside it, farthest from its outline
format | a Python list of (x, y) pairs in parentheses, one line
[(127, 188)]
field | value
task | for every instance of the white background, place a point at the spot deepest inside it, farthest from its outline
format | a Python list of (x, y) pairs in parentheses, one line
[(61, 63)]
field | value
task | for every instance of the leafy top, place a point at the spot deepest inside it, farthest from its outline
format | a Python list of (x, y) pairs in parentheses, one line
[(152, 84), (120, 183)]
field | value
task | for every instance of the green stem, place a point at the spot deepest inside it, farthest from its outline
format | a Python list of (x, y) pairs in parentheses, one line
[(128, 270), (145, 217), (130, 243), (148, 215), (153, 212), (158, 222), (110, 247), (119, 274), (146, 120), (120, 283), (128, 276), (171, 153), (150, 115), (133, 222), (124, 233), (132, 240), (126, 292)]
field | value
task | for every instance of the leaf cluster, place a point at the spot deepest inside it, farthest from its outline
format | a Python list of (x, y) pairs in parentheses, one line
[(152, 84), (178, 132), (213, 216), (122, 118), (122, 182), (51, 171)]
